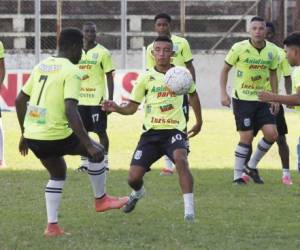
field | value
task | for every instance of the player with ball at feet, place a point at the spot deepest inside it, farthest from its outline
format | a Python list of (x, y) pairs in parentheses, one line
[(164, 125)]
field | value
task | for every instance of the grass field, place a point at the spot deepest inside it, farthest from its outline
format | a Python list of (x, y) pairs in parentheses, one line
[(228, 217)]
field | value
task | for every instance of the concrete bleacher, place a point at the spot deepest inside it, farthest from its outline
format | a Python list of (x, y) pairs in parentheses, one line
[(206, 21)]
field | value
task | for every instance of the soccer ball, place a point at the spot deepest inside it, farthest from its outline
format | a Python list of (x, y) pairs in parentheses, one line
[(178, 80)]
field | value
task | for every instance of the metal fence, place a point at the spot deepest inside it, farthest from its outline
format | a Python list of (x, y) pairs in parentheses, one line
[(31, 26)]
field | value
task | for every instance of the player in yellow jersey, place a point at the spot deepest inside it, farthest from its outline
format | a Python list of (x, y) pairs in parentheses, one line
[(182, 57), (292, 45), (284, 69), (51, 126), (256, 62), (96, 63), (164, 126), (2, 75)]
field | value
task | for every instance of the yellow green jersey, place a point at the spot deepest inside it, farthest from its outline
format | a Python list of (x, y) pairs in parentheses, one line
[(1, 50), (252, 68), (283, 69), (51, 82), (182, 53), (95, 63), (163, 110), (296, 84)]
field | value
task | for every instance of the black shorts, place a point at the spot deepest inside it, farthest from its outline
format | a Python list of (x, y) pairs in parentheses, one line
[(154, 144), (280, 123), (55, 148), (251, 115), (186, 107), (94, 118)]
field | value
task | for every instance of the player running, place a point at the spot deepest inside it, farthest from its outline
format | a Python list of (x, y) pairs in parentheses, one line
[(51, 126), (96, 63), (182, 57), (164, 127), (2, 75), (256, 61)]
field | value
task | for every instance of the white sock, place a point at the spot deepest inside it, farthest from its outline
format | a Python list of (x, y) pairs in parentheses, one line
[(188, 204), (96, 171), (106, 161), (53, 193), (241, 153), (286, 172), (263, 147), (169, 163), (1, 142), (139, 193), (84, 161)]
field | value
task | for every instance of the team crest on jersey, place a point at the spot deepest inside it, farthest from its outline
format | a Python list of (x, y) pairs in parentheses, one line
[(95, 56), (138, 154), (247, 122), (270, 56)]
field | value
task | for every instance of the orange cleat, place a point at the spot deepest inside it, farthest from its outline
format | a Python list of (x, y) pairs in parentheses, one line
[(109, 202), (53, 230), (167, 171)]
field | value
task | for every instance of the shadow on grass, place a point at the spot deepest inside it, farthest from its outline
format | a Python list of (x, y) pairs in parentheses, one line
[(228, 216)]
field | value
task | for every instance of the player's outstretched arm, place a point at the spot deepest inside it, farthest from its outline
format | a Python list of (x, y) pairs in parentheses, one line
[(75, 122), (21, 108), (195, 103), (129, 109), (292, 100), (191, 68), (110, 85), (225, 98)]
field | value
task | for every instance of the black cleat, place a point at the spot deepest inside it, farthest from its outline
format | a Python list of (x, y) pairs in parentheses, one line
[(253, 173), (129, 207), (239, 181), (82, 169)]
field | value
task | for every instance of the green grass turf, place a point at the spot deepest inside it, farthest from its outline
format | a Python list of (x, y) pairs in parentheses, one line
[(228, 216)]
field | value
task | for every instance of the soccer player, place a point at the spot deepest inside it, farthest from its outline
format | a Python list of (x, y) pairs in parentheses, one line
[(182, 57), (256, 61), (96, 63), (164, 126), (51, 126), (292, 45), (2, 75), (284, 69)]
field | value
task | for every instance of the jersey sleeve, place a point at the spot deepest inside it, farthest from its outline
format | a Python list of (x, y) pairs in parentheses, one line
[(233, 55), (139, 90), (296, 78), (275, 60), (186, 52), (285, 67), (107, 62), (1, 50), (72, 84), (192, 88), (150, 62), (27, 88)]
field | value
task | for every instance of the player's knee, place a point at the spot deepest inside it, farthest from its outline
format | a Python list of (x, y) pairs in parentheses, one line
[(133, 179), (180, 160), (271, 136)]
